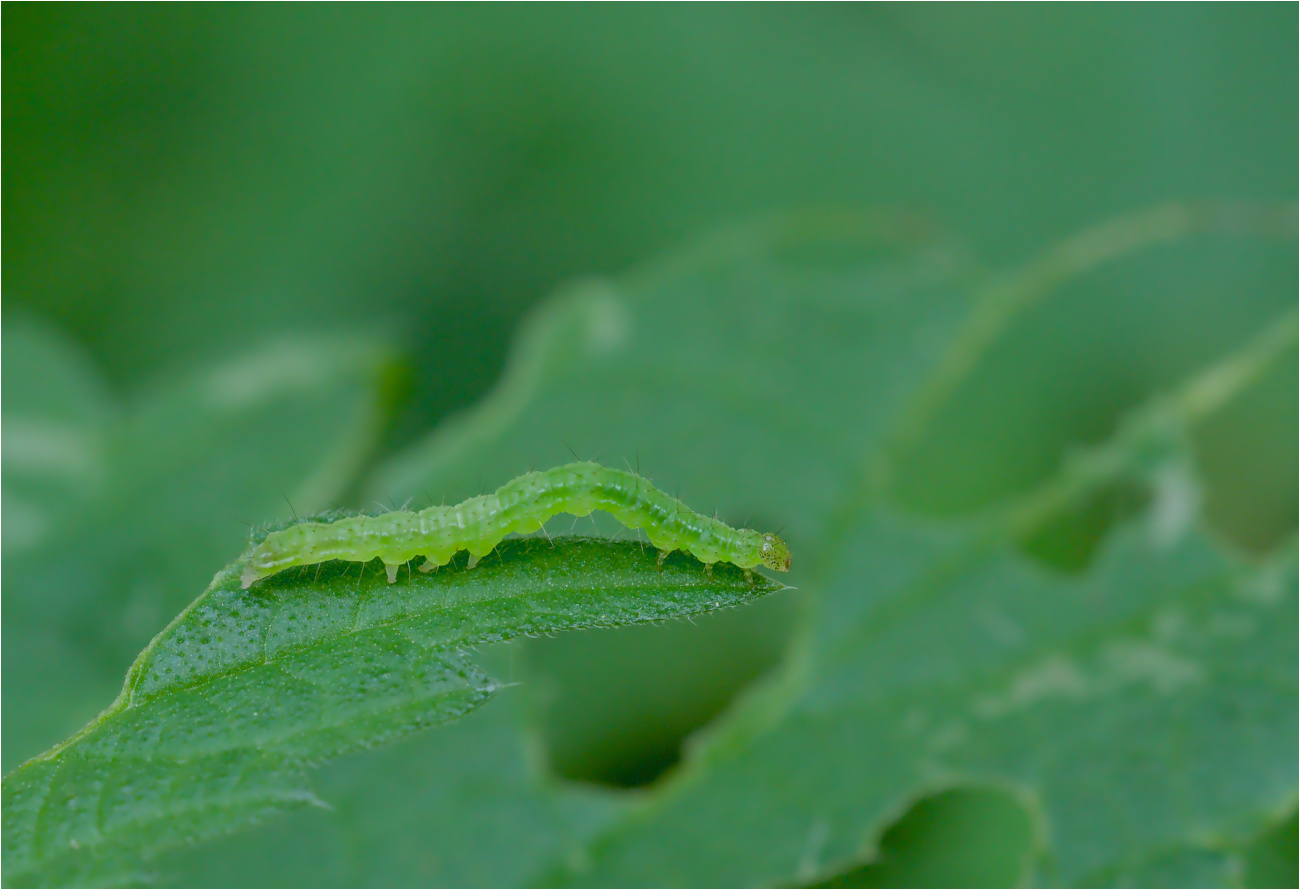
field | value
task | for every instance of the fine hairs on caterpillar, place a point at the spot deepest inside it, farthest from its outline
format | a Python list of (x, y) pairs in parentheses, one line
[(521, 505)]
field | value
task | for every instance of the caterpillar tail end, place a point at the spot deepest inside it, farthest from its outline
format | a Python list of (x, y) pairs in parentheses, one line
[(248, 577)]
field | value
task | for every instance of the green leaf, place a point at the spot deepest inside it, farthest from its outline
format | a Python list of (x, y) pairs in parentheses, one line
[(958, 663), (855, 314), (466, 805), (1145, 706), (854, 332), (56, 413), (186, 179), (957, 838), (223, 711), (129, 505)]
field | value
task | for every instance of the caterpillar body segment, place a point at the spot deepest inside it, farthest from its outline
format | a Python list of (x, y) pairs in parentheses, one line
[(521, 505)]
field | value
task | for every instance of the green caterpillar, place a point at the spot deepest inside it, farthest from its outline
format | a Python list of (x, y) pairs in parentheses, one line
[(521, 505)]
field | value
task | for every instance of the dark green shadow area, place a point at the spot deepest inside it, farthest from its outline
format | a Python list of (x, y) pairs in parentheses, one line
[(1069, 541), (1274, 859), (615, 705), (963, 837)]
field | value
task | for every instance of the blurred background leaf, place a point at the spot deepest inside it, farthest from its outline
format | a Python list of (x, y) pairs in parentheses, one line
[(124, 510), (189, 187), (185, 178)]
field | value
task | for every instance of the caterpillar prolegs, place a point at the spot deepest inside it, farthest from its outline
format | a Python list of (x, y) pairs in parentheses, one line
[(521, 505)]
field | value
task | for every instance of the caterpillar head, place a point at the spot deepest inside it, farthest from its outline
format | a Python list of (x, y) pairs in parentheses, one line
[(774, 553)]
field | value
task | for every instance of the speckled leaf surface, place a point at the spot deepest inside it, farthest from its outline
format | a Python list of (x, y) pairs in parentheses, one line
[(225, 709)]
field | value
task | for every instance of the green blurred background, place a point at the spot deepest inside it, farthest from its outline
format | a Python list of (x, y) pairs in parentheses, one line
[(186, 183), (181, 180)]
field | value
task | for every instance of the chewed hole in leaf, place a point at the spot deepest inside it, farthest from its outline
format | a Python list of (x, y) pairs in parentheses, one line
[(1247, 455), (1273, 859), (1069, 541), (616, 705), (1070, 366), (963, 837)]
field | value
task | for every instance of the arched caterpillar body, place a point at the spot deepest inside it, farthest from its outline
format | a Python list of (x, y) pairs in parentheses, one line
[(521, 505)]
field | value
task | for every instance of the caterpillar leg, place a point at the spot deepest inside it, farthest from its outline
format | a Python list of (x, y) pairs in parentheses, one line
[(473, 561), (429, 565), (663, 554), (749, 577), (391, 568), (708, 570)]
